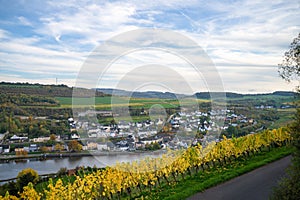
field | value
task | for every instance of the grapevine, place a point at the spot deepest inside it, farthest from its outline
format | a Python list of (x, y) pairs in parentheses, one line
[(138, 176)]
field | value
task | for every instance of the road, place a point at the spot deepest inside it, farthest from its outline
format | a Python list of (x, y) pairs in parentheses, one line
[(256, 184)]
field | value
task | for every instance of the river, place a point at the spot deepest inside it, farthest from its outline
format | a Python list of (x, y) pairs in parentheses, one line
[(52, 165)]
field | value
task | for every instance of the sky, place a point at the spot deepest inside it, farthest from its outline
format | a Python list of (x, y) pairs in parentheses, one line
[(50, 41)]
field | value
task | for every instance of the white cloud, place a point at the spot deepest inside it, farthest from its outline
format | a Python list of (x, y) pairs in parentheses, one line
[(3, 34), (24, 21), (90, 23), (244, 38)]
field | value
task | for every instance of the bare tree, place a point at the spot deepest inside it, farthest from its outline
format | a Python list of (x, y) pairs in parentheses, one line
[(289, 69)]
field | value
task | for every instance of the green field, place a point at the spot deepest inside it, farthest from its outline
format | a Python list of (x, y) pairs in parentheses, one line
[(263, 99), (285, 117), (106, 102)]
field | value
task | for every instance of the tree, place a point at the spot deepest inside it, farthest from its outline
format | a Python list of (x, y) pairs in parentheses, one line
[(62, 171), (10, 187), (26, 176), (30, 193), (58, 147), (21, 153), (44, 149), (289, 188), (289, 69), (53, 137), (74, 146), (44, 131), (232, 131)]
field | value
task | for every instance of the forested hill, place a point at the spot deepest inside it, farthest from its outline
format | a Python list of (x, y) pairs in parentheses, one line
[(199, 95), (43, 90), (207, 95), (65, 91)]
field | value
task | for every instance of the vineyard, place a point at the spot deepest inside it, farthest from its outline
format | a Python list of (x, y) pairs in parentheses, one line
[(131, 180)]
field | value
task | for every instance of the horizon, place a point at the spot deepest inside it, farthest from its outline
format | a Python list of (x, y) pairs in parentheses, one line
[(262, 93)]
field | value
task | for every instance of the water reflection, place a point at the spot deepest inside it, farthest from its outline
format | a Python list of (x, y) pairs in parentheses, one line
[(46, 166)]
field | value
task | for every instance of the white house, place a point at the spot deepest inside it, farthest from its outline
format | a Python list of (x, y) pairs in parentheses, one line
[(75, 136), (41, 139), (102, 146)]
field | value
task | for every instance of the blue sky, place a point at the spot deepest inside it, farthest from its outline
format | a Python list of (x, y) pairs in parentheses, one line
[(45, 40)]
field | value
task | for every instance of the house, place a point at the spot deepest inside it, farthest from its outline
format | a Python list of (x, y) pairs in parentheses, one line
[(19, 148), (151, 141), (112, 134), (33, 147), (84, 148), (16, 138), (102, 146), (65, 137), (5, 148), (91, 146), (26, 149), (71, 120), (75, 136), (92, 133), (41, 139), (159, 122), (110, 146), (124, 148), (131, 146), (188, 129), (2, 136)]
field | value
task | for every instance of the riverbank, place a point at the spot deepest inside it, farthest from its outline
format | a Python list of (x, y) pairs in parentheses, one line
[(9, 168), (7, 158)]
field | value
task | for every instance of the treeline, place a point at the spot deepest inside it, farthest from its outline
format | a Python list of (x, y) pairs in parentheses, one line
[(208, 95), (28, 100), (31, 126), (54, 113), (45, 90), (279, 93)]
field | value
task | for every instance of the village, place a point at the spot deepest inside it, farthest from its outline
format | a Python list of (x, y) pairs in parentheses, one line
[(180, 130)]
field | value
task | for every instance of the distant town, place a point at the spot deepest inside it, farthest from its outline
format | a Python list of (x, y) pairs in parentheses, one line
[(38, 119), (180, 130)]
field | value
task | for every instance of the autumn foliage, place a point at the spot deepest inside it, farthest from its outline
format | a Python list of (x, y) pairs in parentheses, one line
[(124, 178)]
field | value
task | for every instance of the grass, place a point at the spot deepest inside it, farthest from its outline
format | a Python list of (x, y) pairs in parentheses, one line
[(106, 102), (216, 175), (107, 120), (285, 117)]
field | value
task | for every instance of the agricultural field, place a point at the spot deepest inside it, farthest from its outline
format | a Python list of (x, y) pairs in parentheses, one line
[(107, 102)]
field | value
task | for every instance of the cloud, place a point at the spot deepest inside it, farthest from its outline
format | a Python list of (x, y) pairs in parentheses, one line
[(245, 39), (24, 21), (3, 34), (89, 23)]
